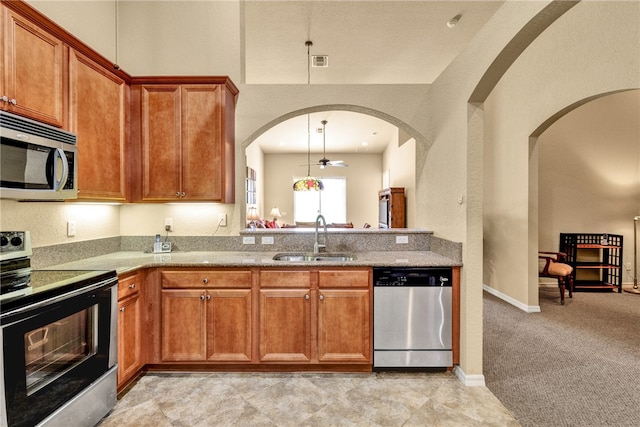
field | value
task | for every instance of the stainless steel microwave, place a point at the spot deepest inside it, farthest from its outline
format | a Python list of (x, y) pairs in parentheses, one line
[(38, 161)]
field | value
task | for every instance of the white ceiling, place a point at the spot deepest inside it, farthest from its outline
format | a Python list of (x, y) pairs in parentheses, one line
[(367, 42)]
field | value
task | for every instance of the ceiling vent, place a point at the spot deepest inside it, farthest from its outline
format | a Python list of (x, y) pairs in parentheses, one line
[(319, 61)]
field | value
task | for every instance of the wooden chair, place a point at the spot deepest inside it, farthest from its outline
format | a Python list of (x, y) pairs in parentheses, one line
[(555, 267)]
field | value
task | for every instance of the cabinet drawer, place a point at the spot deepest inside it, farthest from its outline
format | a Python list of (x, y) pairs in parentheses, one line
[(206, 279), (285, 279), (344, 278), (128, 286)]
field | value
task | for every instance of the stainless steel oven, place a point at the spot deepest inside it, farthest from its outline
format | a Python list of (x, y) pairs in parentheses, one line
[(59, 349)]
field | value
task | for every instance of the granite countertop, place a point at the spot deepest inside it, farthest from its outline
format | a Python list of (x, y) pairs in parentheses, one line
[(125, 262)]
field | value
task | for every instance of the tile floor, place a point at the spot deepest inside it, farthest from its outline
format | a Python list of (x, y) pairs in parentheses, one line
[(306, 399)]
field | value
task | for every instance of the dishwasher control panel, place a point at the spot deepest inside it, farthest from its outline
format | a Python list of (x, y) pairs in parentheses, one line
[(412, 276)]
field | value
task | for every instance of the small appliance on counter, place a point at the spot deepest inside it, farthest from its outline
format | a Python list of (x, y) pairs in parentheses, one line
[(160, 246), (58, 330)]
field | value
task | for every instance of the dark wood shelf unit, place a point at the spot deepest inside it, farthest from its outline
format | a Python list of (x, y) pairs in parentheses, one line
[(596, 259), (392, 203)]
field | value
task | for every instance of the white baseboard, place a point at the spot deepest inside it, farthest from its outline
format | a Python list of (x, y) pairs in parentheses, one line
[(469, 380), (512, 301)]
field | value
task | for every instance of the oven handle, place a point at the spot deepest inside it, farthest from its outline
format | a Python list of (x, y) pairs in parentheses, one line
[(85, 290)]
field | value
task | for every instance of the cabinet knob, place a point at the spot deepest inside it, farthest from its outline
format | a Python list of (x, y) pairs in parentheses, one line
[(183, 194), (132, 286), (306, 296), (202, 297), (122, 309), (4, 98), (321, 297), (208, 297), (205, 280), (177, 194), (12, 101)]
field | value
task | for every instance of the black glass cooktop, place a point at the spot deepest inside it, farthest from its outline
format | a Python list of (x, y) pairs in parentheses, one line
[(47, 284)]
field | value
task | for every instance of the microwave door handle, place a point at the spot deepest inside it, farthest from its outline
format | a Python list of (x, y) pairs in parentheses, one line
[(59, 154)]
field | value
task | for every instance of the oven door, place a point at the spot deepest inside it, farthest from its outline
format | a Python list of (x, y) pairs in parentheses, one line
[(50, 354)]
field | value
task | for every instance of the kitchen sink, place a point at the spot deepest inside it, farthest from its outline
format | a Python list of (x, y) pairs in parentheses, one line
[(306, 257)]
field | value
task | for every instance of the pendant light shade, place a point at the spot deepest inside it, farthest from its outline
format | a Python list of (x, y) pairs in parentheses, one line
[(309, 183)]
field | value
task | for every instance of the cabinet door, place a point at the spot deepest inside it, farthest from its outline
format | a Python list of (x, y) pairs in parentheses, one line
[(97, 106), (344, 331), (161, 154), (229, 325), (202, 145), (34, 71), (129, 338), (285, 325), (183, 325)]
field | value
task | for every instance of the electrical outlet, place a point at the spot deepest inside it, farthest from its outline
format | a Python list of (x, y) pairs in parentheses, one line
[(222, 220), (248, 240), (402, 239), (627, 266), (71, 228), (267, 240), (168, 224)]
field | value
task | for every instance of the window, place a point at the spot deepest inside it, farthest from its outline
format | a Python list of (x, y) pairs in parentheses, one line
[(330, 202)]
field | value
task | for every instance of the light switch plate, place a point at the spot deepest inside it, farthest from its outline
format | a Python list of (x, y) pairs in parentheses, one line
[(267, 240), (248, 240)]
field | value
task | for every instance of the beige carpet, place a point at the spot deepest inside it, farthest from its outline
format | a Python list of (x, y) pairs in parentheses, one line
[(571, 365)]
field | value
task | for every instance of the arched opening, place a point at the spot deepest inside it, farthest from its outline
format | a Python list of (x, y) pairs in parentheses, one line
[(380, 151), (585, 172)]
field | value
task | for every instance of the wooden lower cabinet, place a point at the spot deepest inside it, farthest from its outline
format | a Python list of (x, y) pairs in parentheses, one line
[(129, 328), (261, 317), (207, 323), (344, 333), (285, 325), (325, 319)]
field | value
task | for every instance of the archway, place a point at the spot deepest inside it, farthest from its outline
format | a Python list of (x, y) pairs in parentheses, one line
[(585, 171), (406, 137)]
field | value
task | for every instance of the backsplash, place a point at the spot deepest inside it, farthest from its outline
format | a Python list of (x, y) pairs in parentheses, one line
[(283, 241)]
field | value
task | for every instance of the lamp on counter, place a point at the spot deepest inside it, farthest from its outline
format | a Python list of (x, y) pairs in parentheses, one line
[(635, 289), (275, 213), (252, 217)]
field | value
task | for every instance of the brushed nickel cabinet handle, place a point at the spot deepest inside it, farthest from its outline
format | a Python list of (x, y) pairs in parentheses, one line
[(306, 296), (321, 297), (205, 280)]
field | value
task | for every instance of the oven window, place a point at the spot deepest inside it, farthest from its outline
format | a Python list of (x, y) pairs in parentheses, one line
[(54, 349)]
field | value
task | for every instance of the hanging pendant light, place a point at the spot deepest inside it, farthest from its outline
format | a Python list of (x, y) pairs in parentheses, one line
[(309, 183)]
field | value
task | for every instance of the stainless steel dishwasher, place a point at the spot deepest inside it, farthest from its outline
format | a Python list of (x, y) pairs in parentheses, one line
[(412, 317)]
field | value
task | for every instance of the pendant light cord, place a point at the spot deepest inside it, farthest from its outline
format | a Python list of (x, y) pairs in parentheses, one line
[(308, 43)]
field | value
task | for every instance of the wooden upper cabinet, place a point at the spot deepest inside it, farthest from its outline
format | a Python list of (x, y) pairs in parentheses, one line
[(97, 107), (161, 141), (34, 66), (186, 134)]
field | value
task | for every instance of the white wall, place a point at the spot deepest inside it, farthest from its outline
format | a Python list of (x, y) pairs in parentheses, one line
[(47, 221), (363, 183)]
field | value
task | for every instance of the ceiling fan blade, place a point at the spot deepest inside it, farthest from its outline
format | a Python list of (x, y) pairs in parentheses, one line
[(338, 163)]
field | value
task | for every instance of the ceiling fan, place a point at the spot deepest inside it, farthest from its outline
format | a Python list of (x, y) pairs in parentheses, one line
[(324, 162)]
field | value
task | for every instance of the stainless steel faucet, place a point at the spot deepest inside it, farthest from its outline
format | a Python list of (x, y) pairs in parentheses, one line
[(316, 245)]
